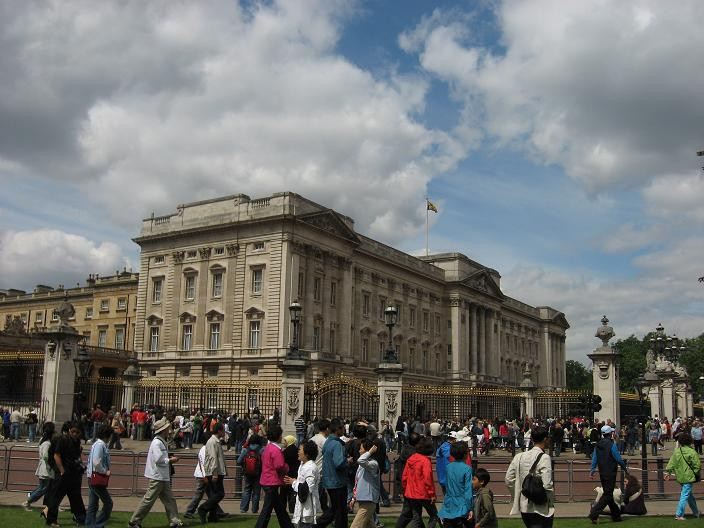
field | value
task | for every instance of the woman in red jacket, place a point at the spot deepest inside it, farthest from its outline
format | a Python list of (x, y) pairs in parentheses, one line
[(418, 484)]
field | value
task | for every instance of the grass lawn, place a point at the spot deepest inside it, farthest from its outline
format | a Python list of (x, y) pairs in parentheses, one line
[(18, 518)]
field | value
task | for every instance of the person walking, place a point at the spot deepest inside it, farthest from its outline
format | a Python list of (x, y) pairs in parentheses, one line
[(117, 426), (273, 471), (334, 478), (685, 464), (538, 463), (458, 500), (306, 486), (98, 473), (300, 425), (366, 492), (251, 461), (68, 469), (319, 439), (44, 471), (442, 458), (214, 472), (607, 458), (484, 514), (97, 417), (418, 485), (696, 433), (158, 472), (15, 420)]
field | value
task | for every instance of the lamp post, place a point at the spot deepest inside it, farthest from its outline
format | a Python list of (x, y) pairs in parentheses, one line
[(391, 317), (641, 383), (82, 363), (295, 311)]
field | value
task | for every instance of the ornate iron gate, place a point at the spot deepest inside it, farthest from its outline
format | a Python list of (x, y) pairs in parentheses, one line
[(342, 396), (553, 404), (459, 403)]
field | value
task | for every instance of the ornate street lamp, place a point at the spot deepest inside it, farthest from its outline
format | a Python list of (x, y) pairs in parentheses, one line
[(641, 384), (82, 362), (295, 311), (667, 347), (391, 317)]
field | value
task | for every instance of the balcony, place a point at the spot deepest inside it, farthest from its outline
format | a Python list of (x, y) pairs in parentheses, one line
[(114, 353)]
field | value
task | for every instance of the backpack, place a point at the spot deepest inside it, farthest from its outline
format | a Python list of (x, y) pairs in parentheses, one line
[(252, 463), (532, 487)]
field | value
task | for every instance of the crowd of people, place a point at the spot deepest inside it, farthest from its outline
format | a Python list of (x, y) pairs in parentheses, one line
[(330, 468)]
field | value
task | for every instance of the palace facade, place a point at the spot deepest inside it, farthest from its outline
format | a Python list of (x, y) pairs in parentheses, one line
[(217, 276)]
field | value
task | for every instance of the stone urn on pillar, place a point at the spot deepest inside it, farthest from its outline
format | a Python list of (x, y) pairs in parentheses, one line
[(293, 378), (58, 382), (528, 392), (605, 375), (390, 375)]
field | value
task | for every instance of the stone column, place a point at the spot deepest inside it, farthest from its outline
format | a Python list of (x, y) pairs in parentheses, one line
[(474, 343), (690, 402), (547, 357), (293, 387), (527, 392), (668, 399), (390, 390), (605, 375), (459, 364), (489, 352), (482, 341), (681, 398), (655, 396), (499, 344)]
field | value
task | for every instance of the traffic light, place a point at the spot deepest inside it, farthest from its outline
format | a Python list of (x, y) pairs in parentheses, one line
[(596, 403), (584, 405)]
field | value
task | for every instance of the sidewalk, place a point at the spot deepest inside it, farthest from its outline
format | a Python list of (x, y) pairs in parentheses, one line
[(562, 510)]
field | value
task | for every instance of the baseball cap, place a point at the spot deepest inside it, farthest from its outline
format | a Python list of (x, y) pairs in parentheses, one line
[(607, 429)]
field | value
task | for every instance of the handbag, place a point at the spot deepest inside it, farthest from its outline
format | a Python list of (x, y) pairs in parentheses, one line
[(99, 479), (532, 487), (697, 474)]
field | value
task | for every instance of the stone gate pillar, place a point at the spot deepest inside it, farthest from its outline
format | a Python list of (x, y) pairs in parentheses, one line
[(390, 390), (293, 386), (654, 393), (669, 397), (58, 382), (130, 377), (527, 392), (605, 375)]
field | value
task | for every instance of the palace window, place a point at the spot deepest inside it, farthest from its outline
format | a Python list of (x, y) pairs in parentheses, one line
[(398, 313), (259, 246), (365, 351), (186, 337), (219, 251), (412, 316), (191, 254), (214, 336), (217, 284), (437, 324), (332, 341), (120, 338), (316, 338), (254, 334), (54, 316), (159, 259), (102, 337), (425, 361), (301, 285), (365, 304), (426, 321), (257, 275), (382, 307), (156, 290), (333, 293), (190, 288), (154, 339), (317, 288), (412, 358), (449, 357), (39, 317), (122, 303), (105, 305)]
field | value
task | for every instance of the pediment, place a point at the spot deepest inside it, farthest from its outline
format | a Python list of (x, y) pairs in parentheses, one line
[(214, 315), (330, 222), (187, 317), (154, 319), (481, 280), (561, 320), (254, 313)]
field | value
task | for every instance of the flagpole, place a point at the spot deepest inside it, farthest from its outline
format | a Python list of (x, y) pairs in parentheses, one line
[(427, 248)]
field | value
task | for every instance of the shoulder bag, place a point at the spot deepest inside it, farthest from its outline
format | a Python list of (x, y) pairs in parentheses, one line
[(697, 474), (532, 487), (97, 479)]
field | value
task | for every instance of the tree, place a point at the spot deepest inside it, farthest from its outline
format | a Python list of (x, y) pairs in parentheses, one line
[(578, 376), (631, 362), (693, 361)]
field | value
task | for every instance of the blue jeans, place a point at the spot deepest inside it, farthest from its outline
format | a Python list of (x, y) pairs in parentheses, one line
[(300, 438), (96, 425), (250, 489), (188, 440), (686, 497), (40, 491), (32, 432), (15, 431), (96, 493)]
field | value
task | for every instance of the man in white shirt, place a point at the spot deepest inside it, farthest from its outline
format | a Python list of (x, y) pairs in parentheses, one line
[(534, 515), (214, 472), (435, 433), (15, 421), (158, 471), (201, 488), (319, 439)]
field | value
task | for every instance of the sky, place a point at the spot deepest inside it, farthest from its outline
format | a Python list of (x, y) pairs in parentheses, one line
[(558, 139)]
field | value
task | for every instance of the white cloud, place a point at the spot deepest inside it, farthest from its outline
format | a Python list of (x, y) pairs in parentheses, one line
[(175, 103), (677, 197), (605, 90), (54, 257)]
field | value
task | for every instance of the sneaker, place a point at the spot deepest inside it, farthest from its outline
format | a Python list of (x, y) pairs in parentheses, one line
[(25, 505), (188, 515), (680, 519), (176, 524), (134, 524)]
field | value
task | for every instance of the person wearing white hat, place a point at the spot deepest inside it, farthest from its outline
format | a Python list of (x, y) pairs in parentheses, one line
[(607, 457), (158, 471)]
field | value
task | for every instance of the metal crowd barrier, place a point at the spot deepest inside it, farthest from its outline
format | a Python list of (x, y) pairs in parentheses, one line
[(571, 476)]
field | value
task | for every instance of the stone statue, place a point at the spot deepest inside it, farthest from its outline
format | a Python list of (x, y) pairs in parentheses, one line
[(663, 365), (605, 332), (680, 370), (650, 361), (64, 312)]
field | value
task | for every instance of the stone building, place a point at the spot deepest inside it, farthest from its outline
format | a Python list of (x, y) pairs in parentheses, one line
[(217, 276), (105, 314)]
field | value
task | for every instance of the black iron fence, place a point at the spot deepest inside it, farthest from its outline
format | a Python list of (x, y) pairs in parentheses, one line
[(342, 396), (210, 395), (459, 403)]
